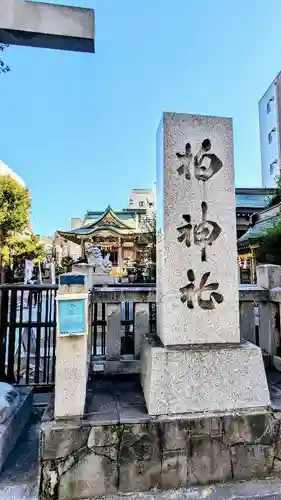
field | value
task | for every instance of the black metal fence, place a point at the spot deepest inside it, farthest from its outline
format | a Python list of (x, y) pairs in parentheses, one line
[(28, 334)]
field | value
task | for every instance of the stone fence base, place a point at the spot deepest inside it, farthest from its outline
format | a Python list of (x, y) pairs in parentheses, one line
[(84, 458)]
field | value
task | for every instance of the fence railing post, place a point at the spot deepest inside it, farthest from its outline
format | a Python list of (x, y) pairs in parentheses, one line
[(269, 277), (247, 322), (4, 307), (113, 335), (267, 331), (141, 325)]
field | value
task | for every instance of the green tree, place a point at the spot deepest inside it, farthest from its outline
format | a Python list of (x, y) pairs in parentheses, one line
[(148, 248), (269, 243), (29, 247), (276, 198), (65, 265), (3, 67), (14, 206), (269, 250), (14, 212), (17, 249)]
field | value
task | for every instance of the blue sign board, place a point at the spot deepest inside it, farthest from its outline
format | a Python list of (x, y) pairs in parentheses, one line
[(72, 317), (72, 279)]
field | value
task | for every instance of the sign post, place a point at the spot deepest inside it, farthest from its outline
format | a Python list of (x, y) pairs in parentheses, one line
[(72, 360)]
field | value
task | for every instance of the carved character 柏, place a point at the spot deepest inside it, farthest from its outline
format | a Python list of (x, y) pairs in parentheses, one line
[(206, 163)]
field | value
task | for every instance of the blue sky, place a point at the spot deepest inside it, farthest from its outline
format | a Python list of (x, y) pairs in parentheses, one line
[(80, 128)]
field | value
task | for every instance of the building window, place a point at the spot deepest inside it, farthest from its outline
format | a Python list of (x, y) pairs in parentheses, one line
[(268, 106), (272, 168), (130, 201), (141, 204), (270, 138), (270, 135)]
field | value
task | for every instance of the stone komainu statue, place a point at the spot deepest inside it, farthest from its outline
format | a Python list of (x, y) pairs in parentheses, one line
[(94, 257)]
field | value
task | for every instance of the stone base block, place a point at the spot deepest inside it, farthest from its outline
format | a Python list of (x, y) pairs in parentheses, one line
[(116, 367), (86, 269), (102, 279), (11, 429), (81, 459), (178, 380)]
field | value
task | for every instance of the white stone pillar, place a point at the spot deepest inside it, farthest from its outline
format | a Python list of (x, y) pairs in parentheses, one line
[(269, 276), (72, 356), (120, 257), (197, 363), (141, 326), (113, 336)]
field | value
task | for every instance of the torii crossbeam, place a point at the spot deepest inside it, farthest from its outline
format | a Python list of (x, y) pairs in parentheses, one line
[(46, 25)]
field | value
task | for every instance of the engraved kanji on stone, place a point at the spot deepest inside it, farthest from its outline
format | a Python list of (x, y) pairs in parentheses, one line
[(186, 159), (206, 164), (204, 233), (185, 231), (190, 292)]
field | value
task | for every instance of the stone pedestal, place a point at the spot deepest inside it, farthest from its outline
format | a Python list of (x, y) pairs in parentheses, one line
[(182, 380), (269, 276), (196, 362), (86, 269), (102, 279)]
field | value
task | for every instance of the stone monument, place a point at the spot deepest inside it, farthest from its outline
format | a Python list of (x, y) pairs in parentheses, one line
[(197, 362)]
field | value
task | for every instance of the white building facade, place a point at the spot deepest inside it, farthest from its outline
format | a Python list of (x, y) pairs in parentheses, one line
[(270, 133), (142, 199)]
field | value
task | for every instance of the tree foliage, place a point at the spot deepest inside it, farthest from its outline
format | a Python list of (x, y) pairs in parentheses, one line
[(29, 248), (148, 252), (14, 215), (17, 249), (65, 265), (269, 250), (14, 206), (3, 67), (274, 200)]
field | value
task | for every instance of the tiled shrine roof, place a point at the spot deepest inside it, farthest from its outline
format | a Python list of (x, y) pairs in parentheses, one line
[(251, 201), (119, 223), (253, 198), (258, 230), (124, 223)]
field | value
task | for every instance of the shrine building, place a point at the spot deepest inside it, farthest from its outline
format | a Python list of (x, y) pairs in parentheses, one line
[(124, 234)]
